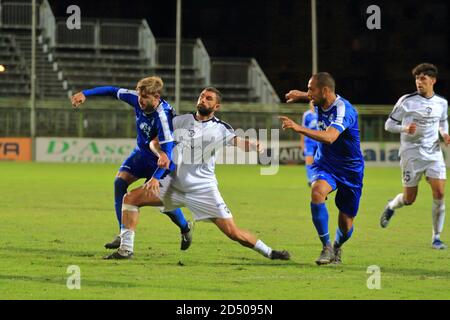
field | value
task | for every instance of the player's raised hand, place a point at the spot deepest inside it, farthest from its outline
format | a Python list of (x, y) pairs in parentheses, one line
[(288, 123), (411, 128), (295, 95), (152, 187), (77, 99)]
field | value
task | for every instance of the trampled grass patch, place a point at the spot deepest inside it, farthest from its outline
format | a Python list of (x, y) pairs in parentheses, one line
[(57, 215)]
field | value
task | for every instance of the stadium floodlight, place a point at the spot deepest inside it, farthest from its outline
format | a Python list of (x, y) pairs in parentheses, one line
[(314, 36), (33, 79), (178, 59)]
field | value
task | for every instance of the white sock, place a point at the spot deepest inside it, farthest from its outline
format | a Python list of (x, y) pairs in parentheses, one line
[(397, 202), (262, 248), (126, 239), (438, 211)]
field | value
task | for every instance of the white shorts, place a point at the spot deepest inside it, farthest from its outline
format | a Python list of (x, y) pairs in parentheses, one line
[(412, 170), (204, 204)]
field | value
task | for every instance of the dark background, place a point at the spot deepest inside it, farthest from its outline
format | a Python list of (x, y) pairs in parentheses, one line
[(370, 66)]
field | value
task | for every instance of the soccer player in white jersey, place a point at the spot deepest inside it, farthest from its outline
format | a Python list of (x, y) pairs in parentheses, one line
[(193, 183), (420, 117)]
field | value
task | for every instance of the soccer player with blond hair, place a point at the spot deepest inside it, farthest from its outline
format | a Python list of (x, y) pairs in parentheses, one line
[(153, 119)]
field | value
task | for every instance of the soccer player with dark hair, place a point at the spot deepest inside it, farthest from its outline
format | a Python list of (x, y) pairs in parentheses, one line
[(153, 119), (420, 117), (338, 161), (199, 136)]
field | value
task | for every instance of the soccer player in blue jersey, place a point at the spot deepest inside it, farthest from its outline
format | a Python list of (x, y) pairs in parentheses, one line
[(338, 162), (308, 145), (153, 120)]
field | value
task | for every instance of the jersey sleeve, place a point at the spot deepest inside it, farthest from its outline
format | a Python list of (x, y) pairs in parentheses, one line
[(164, 126), (129, 96), (344, 117), (398, 112), (101, 91), (229, 135), (444, 115), (165, 137), (443, 122), (304, 122)]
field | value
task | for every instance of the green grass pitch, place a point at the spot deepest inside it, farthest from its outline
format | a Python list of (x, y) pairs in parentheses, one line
[(56, 215)]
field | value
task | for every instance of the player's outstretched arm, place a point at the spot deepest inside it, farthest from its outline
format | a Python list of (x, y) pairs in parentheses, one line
[(328, 136), (296, 95), (394, 126), (80, 97), (248, 145)]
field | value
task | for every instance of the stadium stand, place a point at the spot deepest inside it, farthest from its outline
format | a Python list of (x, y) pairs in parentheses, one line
[(15, 25), (114, 52), (16, 78)]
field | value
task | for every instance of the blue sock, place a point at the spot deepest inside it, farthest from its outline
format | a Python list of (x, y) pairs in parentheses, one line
[(178, 218), (320, 219), (120, 189), (309, 173), (341, 237)]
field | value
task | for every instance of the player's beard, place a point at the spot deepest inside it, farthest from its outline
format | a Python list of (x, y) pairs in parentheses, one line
[(320, 102), (203, 110)]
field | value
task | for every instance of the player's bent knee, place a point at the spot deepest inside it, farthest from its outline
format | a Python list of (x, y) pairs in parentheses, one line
[(317, 196), (130, 199)]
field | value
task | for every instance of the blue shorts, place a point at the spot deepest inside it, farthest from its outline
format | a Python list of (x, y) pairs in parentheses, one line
[(140, 164), (310, 149), (348, 192)]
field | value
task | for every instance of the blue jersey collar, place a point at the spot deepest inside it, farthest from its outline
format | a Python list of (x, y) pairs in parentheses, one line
[(338, 97), (150, 113)]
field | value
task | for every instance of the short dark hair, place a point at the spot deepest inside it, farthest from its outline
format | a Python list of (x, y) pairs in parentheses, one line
[(427, 69), (324, 79), (217, 92)]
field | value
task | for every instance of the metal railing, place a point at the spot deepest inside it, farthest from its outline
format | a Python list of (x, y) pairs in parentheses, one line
[(261, 85), (193, 55), (16, 15), (165, 53), (202, 62), (98, 34), (106, 118), (230, 72), (48, 22), (147, 43), (243, 74)]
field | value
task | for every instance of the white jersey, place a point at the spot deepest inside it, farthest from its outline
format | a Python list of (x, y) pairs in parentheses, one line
[(194, 153), (428, 114)]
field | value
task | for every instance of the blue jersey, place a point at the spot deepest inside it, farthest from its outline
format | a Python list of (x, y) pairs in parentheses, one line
[(309, 120), (148, 126), (342, 158)]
